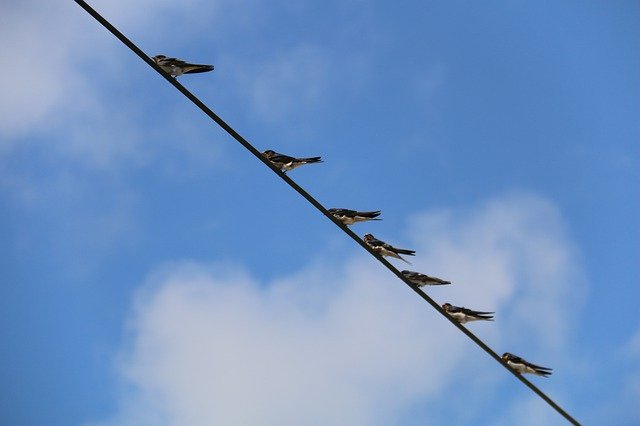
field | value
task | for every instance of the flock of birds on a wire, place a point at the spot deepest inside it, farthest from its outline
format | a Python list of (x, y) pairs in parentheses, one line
[(176, 67)]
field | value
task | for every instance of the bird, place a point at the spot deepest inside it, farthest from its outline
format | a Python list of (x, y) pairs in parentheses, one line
[(349, 217), (421, 280), (384, 249), (521, 366), (464, 315), (286, 163), (175, 67)]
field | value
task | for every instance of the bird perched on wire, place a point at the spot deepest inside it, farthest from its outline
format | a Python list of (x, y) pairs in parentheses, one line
[(286, 163), (384, 249), (464, 315), (422, 280), (175, 67), (521, 366), (349, 217)]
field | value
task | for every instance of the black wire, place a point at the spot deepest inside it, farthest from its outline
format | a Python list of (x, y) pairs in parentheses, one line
[(316, 204)]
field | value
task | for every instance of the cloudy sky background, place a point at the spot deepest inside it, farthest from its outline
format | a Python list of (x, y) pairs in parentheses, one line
[(156, 273)]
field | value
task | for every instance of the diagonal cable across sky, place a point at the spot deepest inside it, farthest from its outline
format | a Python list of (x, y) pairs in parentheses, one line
[(317, 205)]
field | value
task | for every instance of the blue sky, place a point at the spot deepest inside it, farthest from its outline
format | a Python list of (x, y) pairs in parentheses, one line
[(156, 273)]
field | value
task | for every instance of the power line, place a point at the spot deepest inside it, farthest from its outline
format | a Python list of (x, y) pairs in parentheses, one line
[(315, 203)]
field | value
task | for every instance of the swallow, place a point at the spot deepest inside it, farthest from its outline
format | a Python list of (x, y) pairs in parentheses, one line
[(286, 163), (175, 67), (521, 366), (464, 315), (421, 280), (349, 217), (384, 249)]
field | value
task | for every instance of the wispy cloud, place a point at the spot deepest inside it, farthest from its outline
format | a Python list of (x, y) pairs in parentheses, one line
[(209, 344), (619, 405), (38, 48), (72, 89), (287, 81), (529, 410), (68, 121)]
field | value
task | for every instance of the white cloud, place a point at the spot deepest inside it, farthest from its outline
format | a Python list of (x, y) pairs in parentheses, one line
[(35, 45), (237, 346), (346, 344), (67, 106), (64, 68), (511, 247)]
